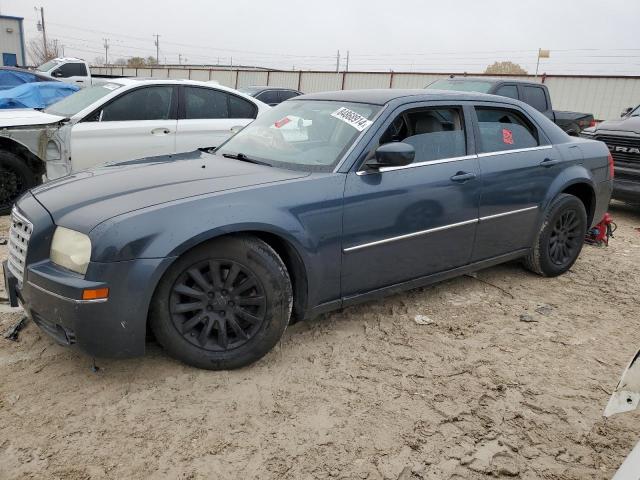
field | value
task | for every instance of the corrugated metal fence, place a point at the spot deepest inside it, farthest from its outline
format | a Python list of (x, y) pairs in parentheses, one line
[(605, 97)]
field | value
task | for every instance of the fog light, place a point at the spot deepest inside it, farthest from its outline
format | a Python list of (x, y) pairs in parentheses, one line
[(95, 293)]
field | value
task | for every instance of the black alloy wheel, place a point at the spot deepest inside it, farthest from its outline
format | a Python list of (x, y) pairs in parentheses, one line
[(217, 305), (566, 238), (223, 304)]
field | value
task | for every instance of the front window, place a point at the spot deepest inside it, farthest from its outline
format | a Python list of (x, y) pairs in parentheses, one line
[(80, 100), (461, 85), (45, 67), (302, 135)]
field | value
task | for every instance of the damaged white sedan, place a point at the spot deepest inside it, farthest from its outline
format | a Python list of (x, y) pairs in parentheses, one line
[(125, 119)]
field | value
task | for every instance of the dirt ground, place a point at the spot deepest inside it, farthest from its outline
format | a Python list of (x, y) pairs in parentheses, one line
[(474, 392)]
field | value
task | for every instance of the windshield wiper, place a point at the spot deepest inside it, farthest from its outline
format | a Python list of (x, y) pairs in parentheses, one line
[(244, 158)]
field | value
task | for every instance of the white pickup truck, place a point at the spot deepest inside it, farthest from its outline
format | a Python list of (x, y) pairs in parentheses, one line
[(124, 119), (69, 70)]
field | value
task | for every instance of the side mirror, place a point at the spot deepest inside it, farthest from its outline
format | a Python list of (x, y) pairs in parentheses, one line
[(57, 74), (395, 154), (626, 111)]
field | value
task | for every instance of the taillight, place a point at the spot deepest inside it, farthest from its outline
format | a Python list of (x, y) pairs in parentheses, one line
[(593, 123), (611, 169)]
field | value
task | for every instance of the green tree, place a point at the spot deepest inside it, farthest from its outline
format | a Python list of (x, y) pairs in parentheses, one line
[(505, 68)]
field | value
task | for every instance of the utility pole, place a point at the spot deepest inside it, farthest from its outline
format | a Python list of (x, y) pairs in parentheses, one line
[(157, 43), (62, 48), (42, 28), (106, 51), (347, 69), (179, 59), (338, 62)]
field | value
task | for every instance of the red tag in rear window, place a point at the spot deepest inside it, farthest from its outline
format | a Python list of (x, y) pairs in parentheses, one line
[(282, 123), (507, 136)]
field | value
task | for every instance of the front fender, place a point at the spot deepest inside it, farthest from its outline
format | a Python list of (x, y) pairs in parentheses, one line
[(306, 214)]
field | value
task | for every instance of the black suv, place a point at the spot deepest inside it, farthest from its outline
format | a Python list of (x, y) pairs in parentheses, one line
[(272, 96), (623, 139)]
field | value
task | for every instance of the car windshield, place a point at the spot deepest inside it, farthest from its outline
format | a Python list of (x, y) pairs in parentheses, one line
[(461, 85), (45, 67), (69, 106), (302, 134)]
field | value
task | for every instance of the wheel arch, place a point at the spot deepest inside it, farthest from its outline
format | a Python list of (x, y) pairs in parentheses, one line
[(35, 164), (284, 247), (586, 194), (575, 180)]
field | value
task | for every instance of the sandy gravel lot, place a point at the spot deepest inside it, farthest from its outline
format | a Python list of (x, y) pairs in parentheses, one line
[(363, 393)]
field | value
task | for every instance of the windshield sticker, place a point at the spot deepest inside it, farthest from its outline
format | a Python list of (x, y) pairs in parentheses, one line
[(111, 86), (282, 123), (507, 136), (354, 119)]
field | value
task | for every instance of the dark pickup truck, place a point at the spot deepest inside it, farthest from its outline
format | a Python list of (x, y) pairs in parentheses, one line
[(623, 139), (535, 94)]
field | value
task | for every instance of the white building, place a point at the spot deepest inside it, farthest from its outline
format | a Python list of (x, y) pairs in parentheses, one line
[(12, 51)]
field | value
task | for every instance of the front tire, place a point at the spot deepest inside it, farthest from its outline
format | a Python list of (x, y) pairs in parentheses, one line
[(560, 238), (224, 304), (15, 179)]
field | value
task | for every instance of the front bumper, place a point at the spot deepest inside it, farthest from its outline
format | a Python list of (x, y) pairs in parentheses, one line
[(116, 327)]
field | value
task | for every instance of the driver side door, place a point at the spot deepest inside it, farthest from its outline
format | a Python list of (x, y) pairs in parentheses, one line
[(403, 223)]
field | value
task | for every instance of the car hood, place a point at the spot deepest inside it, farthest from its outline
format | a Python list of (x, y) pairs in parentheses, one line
[(630, 124), (23, 117), (85, 199)]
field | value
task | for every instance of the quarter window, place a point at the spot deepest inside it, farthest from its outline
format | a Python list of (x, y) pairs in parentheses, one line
[(149, 103), (434, 133), (502, 129), (535, 96), (510, 91)]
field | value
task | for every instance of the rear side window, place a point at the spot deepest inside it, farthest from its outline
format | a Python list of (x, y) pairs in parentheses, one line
[(149, 103), (241, 108), (535, 96), (205, 103), (71, 70), (510, 91), (434, 133), (503, 129)]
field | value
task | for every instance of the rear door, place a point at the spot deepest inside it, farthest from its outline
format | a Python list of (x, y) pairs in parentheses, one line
[(518, 164), (536, 97), (403, 223), (208, 115), (139, 123)]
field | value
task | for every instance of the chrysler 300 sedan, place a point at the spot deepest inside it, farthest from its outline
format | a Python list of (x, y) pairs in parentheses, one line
[(324, 201)]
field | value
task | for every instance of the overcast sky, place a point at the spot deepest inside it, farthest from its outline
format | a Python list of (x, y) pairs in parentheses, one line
[(587, 36)]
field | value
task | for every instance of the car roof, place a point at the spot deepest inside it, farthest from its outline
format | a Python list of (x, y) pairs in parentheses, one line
[(132, 81), (490, 79), (266, 87), (387, 95)]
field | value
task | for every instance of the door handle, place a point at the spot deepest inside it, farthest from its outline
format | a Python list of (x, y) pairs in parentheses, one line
[(462, 177), (160, 131), (548, 162)]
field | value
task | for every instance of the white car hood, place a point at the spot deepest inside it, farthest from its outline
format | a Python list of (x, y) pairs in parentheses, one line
[(25, 117)]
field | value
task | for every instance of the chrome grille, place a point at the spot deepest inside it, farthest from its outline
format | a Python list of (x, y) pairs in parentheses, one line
[(19, 235)]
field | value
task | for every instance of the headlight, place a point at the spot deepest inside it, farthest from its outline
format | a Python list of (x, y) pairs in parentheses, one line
[(71, 249)]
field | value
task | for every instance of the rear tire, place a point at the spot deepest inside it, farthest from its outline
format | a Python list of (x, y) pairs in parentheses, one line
[(224, 304), (15, 179), (560, 238)]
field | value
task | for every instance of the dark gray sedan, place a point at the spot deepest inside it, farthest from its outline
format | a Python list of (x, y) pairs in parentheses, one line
[(324, 201)]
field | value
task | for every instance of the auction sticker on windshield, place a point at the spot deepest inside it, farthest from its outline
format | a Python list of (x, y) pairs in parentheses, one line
[(354, 119)]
